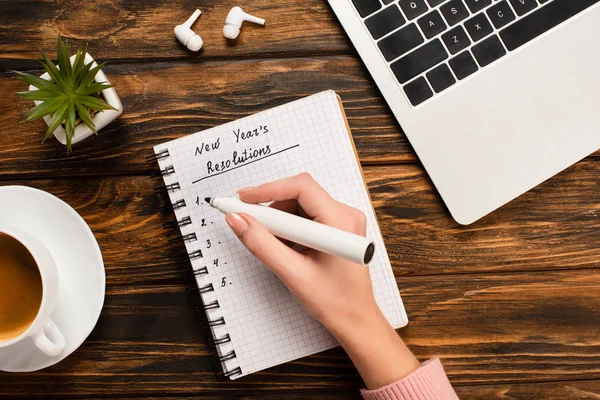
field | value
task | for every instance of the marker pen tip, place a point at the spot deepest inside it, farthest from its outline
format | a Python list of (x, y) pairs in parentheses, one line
[(207, 199)]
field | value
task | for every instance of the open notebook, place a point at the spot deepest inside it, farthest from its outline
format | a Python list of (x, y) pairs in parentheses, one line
[(256, 323)]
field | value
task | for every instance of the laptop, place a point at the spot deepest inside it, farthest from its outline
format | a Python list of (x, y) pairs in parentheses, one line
[(494, 96)]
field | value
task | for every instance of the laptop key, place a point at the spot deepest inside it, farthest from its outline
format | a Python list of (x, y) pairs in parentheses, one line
[(542, 20), (385, 21), (454, 11), (400, 42), (524, 6), (419, 61), (456, 39), (432, 24), (488, 51), (413, 8), (501, 14), (463, 65), (478, 27), (418, 91), (440, 78), (433, 3), (477, 5), (366, 7)]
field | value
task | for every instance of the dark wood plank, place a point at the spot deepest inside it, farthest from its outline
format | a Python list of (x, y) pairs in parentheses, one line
[(570, 390), (490, 328), (555, 226), (129, 29), (165, 101)]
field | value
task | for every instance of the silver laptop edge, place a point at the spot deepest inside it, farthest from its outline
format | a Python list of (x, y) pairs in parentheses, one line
[(507, 128)]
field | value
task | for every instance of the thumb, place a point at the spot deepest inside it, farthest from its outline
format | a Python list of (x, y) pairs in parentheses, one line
[(278, 257)]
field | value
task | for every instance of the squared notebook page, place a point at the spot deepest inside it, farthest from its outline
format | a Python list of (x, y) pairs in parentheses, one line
[(265, 323)]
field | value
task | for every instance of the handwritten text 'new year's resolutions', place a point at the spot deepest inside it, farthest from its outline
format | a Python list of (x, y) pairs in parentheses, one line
[(237, 157)]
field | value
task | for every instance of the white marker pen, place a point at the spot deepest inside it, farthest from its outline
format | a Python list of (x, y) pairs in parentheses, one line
[(303, 231)]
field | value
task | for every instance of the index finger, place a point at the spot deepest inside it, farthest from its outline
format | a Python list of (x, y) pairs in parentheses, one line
[(313, 199)]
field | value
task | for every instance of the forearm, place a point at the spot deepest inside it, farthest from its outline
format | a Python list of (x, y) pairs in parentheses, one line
[(379, 354)]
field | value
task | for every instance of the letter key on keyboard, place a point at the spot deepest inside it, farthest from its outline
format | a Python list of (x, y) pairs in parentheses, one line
[(478, 27), (456, 39), (432, 24), (454, 11), (501, 14), (524, 6), (413, 8), (477, 5)]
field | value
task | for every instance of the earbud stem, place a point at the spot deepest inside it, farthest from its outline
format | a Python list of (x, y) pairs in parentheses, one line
[(252, 18), (192, 19)]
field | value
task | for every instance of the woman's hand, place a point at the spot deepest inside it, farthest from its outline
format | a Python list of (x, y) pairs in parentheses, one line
[(335, 291)]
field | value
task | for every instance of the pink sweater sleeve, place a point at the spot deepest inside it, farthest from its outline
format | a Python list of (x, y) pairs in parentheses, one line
[(429, 382)]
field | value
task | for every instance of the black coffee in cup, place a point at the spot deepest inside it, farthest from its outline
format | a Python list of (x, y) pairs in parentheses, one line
[(20, 288)]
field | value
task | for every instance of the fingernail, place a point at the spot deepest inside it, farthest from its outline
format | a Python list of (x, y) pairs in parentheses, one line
[(244, 190), (237, 224)]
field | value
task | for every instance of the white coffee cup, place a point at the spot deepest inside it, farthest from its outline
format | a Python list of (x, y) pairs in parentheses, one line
[(44, 332)]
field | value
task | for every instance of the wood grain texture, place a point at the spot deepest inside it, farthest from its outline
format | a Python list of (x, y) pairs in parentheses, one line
[(135, 30), (573, 390), (488, 328), (570, 390), (555, 226), (164, 101), (511, 303)]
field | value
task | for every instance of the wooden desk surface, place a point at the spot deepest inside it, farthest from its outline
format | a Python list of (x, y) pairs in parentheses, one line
[(511, 304)]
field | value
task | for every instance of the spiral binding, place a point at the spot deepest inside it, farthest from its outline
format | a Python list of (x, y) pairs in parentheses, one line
[(222, 340), (186, 238), (233, 372), (229, 356), (212, 305), (195, 255), (161, 155), (168, 188), (201, 271), (175, 206), (170, 170), (182, 222)]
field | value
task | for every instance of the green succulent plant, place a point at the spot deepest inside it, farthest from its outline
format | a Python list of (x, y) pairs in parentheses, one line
[(71, 96)]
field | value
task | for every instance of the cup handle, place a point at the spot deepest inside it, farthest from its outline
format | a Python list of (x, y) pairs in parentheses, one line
[(49, 347)]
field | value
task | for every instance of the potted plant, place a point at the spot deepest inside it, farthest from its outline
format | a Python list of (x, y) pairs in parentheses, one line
[(74, 97)]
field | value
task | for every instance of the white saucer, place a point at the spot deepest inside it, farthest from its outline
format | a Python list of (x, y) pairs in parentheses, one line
[(80, 270)]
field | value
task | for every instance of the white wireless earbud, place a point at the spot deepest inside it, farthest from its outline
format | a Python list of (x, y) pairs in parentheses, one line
[(234, 21), (187, 36)]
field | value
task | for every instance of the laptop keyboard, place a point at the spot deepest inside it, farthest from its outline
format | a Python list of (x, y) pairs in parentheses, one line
[(430, 45)]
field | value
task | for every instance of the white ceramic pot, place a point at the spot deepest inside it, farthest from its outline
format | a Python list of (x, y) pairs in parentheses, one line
[(101, 119)]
